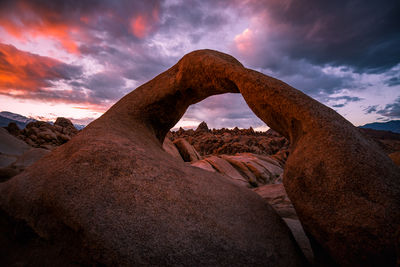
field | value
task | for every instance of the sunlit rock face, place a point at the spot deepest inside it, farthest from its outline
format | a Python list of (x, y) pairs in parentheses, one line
[(113, 196)]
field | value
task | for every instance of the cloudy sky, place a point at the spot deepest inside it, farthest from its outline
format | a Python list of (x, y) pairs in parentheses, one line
[(76, 58)]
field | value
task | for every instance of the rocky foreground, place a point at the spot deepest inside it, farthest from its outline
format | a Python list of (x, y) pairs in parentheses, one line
[(251, 159), (113, 196)]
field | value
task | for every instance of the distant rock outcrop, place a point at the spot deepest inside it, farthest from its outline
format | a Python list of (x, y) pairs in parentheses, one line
[(203, 127), (226, 141), (44, 135), (112, 196)]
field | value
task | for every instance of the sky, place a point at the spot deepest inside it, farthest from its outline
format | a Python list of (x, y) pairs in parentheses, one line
[(77, 58)]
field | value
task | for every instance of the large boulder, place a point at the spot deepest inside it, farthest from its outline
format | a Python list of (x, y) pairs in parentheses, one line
[(263, 169), (222, 166), (187, 151), (246, 169), (171, 149), (113, 196)]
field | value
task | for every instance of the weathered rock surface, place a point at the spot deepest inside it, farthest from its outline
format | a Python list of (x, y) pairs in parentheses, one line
[(248, 169), (395, 156), (11, 149), (16, 155), (388, 141), (9, 145), (276, 196), (187, 152), (171, 149), (113, 196), (29, 157), (301, 238), (223, 167)]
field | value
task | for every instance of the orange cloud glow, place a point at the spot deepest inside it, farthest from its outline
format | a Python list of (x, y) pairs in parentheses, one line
[(143, 25), (139, 26), (41, 24), (24, 71), (244, 40)]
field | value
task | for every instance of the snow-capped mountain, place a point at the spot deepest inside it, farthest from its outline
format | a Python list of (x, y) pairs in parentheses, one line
[(16, 117), (6, 117)]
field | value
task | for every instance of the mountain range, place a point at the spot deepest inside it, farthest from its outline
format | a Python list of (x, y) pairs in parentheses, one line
[(393, 126), (6, 117)]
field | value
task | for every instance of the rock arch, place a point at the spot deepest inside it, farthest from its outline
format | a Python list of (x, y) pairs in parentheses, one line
[(124, 198)]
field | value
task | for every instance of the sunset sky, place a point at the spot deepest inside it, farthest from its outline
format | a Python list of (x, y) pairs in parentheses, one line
[(77, 58)]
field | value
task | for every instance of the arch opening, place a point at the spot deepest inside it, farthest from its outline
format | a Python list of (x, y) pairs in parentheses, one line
[(227, 110)]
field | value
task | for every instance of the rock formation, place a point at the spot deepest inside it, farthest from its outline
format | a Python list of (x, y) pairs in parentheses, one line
[(42, 134), (171, 149), (226, 141), (203, 127), (247, 169), (112, 195)]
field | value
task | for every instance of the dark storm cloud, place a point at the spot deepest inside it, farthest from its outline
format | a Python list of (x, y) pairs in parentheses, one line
[(339, 105), (357, 33), (340, 101), (391, 110), (309, 78), (371, 109), (74, 22), (346, 98), (106, 85), (192, 18), (394, 81), (135, 62)]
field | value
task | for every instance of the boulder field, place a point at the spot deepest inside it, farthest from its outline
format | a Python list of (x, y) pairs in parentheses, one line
[(113, 196)]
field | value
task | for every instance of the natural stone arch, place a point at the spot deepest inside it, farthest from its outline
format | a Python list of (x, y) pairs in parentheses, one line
[(345, 190)]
